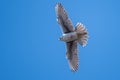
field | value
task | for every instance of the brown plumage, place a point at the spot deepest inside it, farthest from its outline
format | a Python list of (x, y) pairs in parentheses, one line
[(71, 36)]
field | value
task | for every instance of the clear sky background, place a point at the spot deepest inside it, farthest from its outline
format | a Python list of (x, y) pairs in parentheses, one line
[(30, 49)]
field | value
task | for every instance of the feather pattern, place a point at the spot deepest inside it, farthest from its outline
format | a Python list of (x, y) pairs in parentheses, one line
[(82, 34), (70, 36), (62, 19), (72, 55)]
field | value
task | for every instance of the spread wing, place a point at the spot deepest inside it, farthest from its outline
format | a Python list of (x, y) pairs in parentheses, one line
[(72, 55), (62, 19)]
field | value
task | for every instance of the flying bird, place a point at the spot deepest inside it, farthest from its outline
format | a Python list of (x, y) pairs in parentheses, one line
[(71, 36)]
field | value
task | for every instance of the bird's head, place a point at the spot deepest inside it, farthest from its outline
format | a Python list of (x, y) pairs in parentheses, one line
[(61, 38)]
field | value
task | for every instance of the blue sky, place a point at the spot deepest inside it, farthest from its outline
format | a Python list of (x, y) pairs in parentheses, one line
[(30, 49)]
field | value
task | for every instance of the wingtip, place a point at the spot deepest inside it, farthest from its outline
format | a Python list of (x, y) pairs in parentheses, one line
[(58, 4), (75, 69)]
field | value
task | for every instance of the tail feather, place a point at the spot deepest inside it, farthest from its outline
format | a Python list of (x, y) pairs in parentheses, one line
[(82, 34)]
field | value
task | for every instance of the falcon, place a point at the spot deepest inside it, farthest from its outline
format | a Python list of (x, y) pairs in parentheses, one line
[(70, 36)]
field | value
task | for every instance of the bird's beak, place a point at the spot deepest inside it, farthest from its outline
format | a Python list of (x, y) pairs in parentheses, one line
[(60, 38)]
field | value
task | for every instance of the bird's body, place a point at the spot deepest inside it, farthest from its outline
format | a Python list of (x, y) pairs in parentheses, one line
[(71, 36), (68, 37)]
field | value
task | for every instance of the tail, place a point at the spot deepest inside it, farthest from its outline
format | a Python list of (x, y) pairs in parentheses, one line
[(82, 34)]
